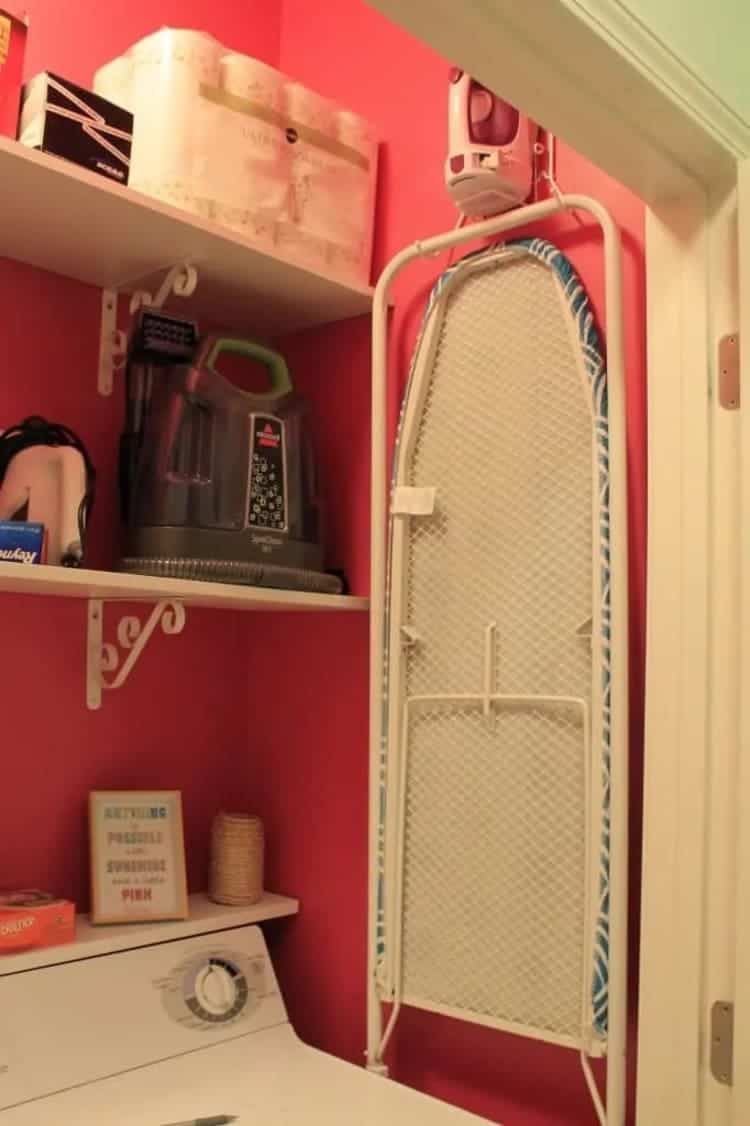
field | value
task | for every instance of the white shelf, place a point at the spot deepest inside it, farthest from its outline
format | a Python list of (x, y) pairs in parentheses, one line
[(70, 582), (205, 917), (63, 218)]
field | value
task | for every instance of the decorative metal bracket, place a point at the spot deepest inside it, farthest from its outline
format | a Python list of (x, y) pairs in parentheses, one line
[(180, 281), (132, 636)]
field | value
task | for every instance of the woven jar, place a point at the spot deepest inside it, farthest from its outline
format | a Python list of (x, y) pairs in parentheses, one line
[(236, 875)]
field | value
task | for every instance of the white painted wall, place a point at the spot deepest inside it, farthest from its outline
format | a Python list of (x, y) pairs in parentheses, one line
[(711, 39)]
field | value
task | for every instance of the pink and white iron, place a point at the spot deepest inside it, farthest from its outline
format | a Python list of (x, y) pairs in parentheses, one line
[(491, 159)]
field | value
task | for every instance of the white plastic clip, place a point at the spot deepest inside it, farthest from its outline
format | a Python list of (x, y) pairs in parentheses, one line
[(585, 630), (133, 635), (409, 637), (412, 500)]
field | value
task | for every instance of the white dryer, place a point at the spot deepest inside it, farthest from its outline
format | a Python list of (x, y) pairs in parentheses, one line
[(175, 1031)]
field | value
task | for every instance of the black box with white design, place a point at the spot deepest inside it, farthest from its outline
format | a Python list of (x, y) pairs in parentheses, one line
[(61, 118)]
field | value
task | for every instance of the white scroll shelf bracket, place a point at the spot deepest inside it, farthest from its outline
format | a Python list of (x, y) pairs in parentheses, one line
[(180, 281), (109, 665)]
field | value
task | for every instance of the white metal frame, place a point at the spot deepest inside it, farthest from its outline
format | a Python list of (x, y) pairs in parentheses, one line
[(616, 1076), (586, 1041), (491, 705)]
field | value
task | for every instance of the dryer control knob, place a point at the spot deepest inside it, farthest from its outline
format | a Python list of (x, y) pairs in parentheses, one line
[(215, 988)]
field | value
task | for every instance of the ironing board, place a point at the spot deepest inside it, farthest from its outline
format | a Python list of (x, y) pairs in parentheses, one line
[(494, 835)]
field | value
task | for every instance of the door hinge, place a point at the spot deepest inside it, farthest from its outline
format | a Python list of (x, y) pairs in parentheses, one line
[(722, 1042), (729, 371)]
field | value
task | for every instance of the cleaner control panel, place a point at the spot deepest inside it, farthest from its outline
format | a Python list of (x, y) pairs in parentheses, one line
[(268, 505)]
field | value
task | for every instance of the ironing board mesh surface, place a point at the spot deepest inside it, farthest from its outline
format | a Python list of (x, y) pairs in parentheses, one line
[(496, 814), (503, 938), (511, 457)]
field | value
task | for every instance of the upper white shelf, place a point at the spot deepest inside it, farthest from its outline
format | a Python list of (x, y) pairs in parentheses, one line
[(204, 918), (63, 218), (65, 582)]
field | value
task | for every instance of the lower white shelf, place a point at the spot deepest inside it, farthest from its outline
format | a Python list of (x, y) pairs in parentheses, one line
[(71, 582), (205, 916)]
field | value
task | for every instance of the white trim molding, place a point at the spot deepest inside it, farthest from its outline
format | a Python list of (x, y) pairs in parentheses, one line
[(679, 758)]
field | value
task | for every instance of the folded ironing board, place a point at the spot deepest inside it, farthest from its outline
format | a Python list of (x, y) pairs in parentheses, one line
[(494, 860)]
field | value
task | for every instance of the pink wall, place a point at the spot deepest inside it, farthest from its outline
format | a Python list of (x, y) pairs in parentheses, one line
[(309, 750), (74, 39), (178, 723), (182, 720)]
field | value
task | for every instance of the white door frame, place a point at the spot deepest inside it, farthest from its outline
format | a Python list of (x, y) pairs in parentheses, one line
[(692, 706), (676, 661), (721, 1103), (741, 937), (627, 102)]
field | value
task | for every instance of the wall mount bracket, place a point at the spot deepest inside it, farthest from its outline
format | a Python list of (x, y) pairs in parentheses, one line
[(722, 1042), (104, 658), (179, 281)]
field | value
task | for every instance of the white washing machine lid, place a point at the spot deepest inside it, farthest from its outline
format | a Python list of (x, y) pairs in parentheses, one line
[(268, 1077)]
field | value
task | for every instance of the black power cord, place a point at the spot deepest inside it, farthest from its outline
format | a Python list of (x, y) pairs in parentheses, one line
[(38, 431)]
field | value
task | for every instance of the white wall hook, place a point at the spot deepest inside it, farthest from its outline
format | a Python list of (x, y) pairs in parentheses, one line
[(133, 635), (409, 637)]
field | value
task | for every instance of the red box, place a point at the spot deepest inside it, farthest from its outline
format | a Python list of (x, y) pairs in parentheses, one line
[(32, 919), (12, 50)]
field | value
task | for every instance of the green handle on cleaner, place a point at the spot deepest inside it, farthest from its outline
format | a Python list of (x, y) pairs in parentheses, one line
[(279, 379)]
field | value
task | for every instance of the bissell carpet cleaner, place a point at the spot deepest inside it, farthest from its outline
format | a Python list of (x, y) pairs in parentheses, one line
[(218, 483)]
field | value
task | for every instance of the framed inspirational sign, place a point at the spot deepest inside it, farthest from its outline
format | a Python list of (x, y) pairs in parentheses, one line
[(137, 856)]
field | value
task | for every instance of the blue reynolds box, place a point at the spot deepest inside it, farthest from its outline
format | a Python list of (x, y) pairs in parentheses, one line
[(21, 542)]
